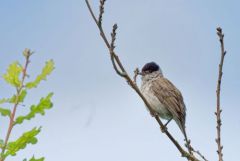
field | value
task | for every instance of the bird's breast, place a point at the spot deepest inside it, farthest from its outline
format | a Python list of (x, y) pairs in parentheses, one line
[(154, 102)]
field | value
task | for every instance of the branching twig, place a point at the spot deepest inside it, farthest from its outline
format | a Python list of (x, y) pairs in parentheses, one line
[(122, 72), (218, 112), (188, 145), (114, 57)]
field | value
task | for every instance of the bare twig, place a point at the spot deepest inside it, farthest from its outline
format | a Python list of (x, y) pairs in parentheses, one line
[(113, 35), (218, 112), (101, 11), (198, 152), (111, 49), (122, 72), (19, 90), (188, 145), (136, 73)]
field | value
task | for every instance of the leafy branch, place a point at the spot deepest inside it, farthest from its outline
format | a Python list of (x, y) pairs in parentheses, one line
[(12, 77)]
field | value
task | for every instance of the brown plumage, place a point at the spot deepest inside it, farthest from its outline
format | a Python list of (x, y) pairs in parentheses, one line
[(171, 98)]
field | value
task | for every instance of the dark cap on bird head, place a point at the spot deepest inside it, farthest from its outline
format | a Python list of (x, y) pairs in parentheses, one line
[(150, 67)]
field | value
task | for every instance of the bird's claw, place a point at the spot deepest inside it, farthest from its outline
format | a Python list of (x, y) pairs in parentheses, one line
[(154, 114), (163, 129)]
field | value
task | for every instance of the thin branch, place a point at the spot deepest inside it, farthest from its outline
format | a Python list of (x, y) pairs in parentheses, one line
[(91, 12), (111, 49), (99, 26), (198, 152), (115, 59), (101, 11), (136, 73), (113, 35), (12, 116), (219, 110)]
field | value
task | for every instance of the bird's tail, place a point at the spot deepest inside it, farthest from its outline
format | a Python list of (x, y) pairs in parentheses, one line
[(183, 129), (188, 145)]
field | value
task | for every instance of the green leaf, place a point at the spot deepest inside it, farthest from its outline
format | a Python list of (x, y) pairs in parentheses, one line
[(21, 143), (40, 159), (34, 159), (8, 100), (44, 104), (3, 100), (5, 112), (47, 70), (22, 96), (12, 75)]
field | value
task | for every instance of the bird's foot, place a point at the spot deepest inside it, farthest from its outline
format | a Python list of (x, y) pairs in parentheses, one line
[(163, 128), (154, 114)]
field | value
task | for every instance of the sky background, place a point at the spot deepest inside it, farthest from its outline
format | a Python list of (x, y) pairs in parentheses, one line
[(96, 115)]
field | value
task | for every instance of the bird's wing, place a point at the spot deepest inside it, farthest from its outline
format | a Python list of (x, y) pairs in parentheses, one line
[(171, 98)]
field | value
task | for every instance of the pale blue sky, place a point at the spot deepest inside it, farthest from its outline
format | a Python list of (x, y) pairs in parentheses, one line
[(96, 116)]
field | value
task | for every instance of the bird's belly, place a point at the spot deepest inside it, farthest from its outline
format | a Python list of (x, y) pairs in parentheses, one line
[(156, 105)]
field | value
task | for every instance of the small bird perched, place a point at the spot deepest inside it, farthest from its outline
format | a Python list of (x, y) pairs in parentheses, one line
[(164, 98)]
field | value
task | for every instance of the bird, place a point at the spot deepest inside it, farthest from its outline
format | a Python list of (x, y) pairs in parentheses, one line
[(165, 99)]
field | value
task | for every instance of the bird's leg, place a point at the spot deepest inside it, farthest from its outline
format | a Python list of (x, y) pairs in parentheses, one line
[(164, 128), (168, 122)]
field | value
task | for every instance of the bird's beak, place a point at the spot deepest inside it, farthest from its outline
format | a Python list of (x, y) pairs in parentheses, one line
[(141, 73)]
